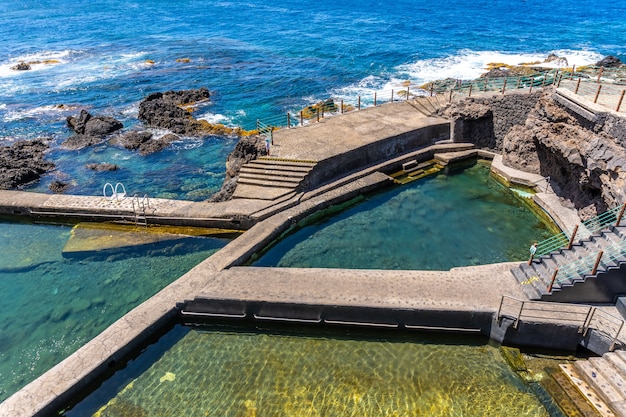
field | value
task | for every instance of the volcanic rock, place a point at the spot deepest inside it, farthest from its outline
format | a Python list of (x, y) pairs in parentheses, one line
[(247, 149), (609, 62), (23, 163), (58, 187), (22, 66), (165, 110)]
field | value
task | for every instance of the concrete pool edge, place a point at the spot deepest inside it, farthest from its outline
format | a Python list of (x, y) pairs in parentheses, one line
[(49, 392)]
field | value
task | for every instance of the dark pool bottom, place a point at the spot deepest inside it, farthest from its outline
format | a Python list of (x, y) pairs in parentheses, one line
[(220, 370)]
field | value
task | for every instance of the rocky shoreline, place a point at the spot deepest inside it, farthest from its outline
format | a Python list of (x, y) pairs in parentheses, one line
[(533, 132)]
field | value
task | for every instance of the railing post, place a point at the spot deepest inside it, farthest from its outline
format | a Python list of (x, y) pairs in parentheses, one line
[(258, 126), (600, 74), (558, 84), (577, 85), (500, 309), (590, 318), (573, 70), (374, 98), (392, 95), (543, 81), (504, 86), (407, 92), (359, 103), (519, 314), (432, 87), (619, 103), (595, 99), (612, 347), (323, 108), (571, 239), (317, 111), (450, 98), (301, 118), (486, 83), (341, 106), (288, 120), (620, 215), (469, 93), (532, 81), (595, 266), (556, 272)]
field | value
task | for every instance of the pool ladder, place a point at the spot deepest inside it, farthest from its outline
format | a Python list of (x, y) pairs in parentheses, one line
[(139, 205)]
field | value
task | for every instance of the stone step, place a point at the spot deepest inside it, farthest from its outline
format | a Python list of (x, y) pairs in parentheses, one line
[(603, 388), (303, 170), (292, 181), (255, 192), (587, 390), (611, 373), (282, 162), (282, 171), (263, 182), (570, 399)]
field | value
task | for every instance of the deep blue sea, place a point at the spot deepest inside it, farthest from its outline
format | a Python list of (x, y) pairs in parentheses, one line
[(258, 60)]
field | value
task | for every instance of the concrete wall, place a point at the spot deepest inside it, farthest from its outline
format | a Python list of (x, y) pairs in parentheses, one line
[(376, 152)]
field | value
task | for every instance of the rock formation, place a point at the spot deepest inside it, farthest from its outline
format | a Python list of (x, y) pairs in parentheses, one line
[(23, 163), (584, 160), (165, 111), (247, 149), (89, 129)]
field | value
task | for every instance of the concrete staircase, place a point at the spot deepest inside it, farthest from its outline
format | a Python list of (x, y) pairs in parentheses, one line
[(271, 178), (581, 285), (602, 380), (429, 105)]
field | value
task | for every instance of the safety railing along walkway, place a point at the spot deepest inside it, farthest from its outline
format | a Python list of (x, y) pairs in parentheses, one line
[(582, 231), (585, 317)]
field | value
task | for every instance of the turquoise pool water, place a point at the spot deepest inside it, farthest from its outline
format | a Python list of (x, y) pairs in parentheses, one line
[(447, 220), (51, 305), (228, 371)]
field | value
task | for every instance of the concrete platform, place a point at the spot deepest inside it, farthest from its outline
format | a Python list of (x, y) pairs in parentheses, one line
[(473, 292)]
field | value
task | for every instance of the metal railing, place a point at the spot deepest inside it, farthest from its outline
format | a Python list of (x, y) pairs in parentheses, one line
[(567, 238), (584, 316)]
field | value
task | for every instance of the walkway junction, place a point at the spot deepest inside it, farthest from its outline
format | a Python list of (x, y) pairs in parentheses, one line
[(327, 163)]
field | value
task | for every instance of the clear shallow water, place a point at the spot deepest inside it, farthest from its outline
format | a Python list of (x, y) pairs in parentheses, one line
[(237, 372), (259, 60), (52, 305), (436, 223)]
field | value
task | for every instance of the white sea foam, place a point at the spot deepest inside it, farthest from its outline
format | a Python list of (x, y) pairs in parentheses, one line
[(37, 61), (465, 65), (215, 118), (471, 64), (55, 111)]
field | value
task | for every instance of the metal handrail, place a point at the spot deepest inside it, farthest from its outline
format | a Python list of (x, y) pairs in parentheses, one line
[(584, 316), (580, 232)]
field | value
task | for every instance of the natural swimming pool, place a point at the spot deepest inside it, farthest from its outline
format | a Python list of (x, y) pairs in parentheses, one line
[(462, 218), (52, 305), (258, 370)]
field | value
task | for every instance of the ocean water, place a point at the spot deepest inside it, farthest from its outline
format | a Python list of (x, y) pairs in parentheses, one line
[(259, 60)]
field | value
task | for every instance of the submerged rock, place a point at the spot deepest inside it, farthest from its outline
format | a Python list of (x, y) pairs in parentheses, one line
[(23, 163), (22, 66), (58, 187), (102, 166)]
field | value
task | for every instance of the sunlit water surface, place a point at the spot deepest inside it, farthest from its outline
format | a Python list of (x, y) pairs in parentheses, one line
[(52, 305), (221, 371), (463, 218)]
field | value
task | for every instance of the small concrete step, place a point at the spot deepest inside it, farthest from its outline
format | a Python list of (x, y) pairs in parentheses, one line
[(289, 169), (587, 390), (613, 398), (282, 162), (274, 182), (290, 181), (569, 398), (610, 373)]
